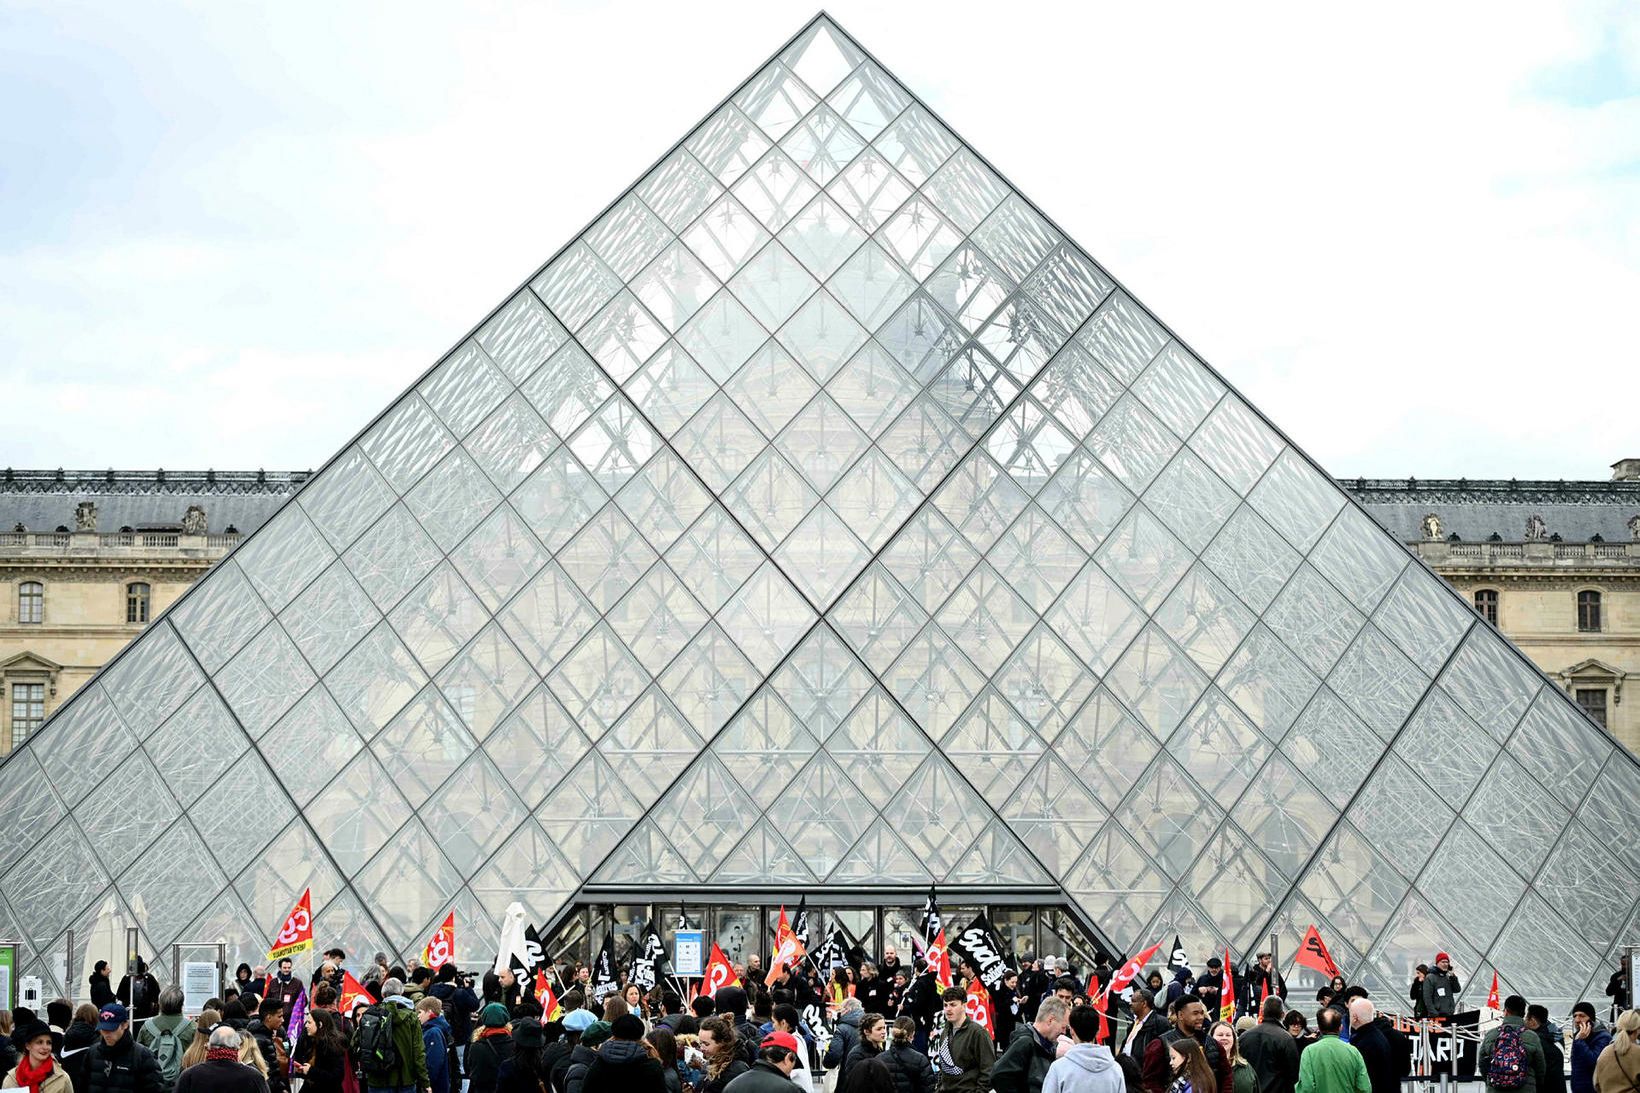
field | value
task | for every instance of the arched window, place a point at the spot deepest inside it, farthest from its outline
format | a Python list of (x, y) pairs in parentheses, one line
[(1588, 611), (136, 602), (31, 602), (1486, 603)]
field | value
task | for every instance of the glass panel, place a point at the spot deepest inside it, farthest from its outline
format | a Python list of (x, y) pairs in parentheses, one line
[(871, 285), (192, 749), (674, 287), (598, 681), (248, 789), (870, 190), (473, 813), (771, 388), (170, 883), (937, 815), (628, 236), (916, 144), (868, 100), (997, 858), (679, 189), (1421, 615), (548, 617), (822, 144), (346, 497), (823, 554), (1145, 558), (1053, 815), (283, 556), (1178, 389), (558, 499), (1378, 682), (88, 745), (1400, 815), (499, 557), (1251, 558), (766, 617), (132, 809), (294, 862), (709, 680), (1297, 500), (607, 557), (622, 336), (1191, 500), (986, 618), (567, 389), (527, 868), (705, 815), (614, 444), (1359, 557), (1169, 817), (822, 336), (511, 443), (1508, 792), (727, 144), (775, 99), (714, 558), (878, 747), (537, 745), (1331, 746), (764, 747), (670, 388), (824, 814), (1606, 812), (1538, 949), (1231, 880), (934, 681), (1470, 885), (406, 442), (1236, 443), (262, 681), (1312, 618), (330, 617), (464, 388), (1219, 746), (992, 745), (1205, 619), (219, 615), (1157, 681), (153, 677), (1353, 885), (1016, 236), (980, 501), (375, 680), (878, 618), (423, 745), (392, 557), (874, 498), (575, 283), (1572, 883), (407, 882), (453, 498), (438, 617), (657, 618), (1559, 746), (1285, 817), (310, 745), (924, 443), (520, 335), (1105, 746), (1446, 747), (1096, 618), (354, 817), (588, 813), (822, 442), (645, 857), (822, 681), (918, 237)]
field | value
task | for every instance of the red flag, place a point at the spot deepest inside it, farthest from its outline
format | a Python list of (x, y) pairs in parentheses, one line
[(296, 935), (1312, 953), (1227, 992), (979, 1005), (1128, 972), (1264, 991), (441, 947), (351, 990), (719, 972), (550, 1010), (1101, 1003), (1492, 1002), (939, 959), (788, 950)]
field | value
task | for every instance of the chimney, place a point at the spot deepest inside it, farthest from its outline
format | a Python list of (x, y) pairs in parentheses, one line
[(1626, 470)]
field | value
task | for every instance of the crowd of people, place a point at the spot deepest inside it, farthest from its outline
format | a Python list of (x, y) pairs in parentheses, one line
[(884, 1027)]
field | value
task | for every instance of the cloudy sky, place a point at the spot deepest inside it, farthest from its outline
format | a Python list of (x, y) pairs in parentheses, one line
[(1409, 232)]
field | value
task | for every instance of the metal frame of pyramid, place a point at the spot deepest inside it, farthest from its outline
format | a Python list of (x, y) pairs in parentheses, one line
[(822, 515)]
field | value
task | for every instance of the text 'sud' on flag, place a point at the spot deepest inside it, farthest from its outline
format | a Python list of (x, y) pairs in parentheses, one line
[(1313, 954), (296, 935)]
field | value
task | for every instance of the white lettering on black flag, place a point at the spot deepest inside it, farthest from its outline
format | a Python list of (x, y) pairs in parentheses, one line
[(646, 964), (980, 947), (603, 971)]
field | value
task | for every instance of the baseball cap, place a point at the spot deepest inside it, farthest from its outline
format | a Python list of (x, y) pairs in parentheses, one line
[(781, 1039), (112, 1017)]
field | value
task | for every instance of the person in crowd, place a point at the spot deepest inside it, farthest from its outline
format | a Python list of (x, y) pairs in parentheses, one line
[(59, 1014), (785, 1018), (872, 990), (772, 1072), (1190, 1070), (102, 991), (965, 1054), (665, 1043), (1554, 1058), (168, 1035), (1271, 1050), (637, 1003), (268, 1029), (1209, 985), (1590, 1037), (403, 1067), (1415, 992), (1441, 989), (284, 985), (1617, 1070), (717, 1040), (1373, 1046), (1511, 1058), (576, 1023), (890, 963), (908, 1067), (438, 1044), (873, 1039), (1087, 1066), (1619, 988), (1334, 988), (1024, 1062), (36, 1069), (530, 1068), (221, 1071), (1329, 1065), (502, 987), (139, 992), (492, 1046), (1184, 982), (1235, 1073), (461, 1005), (1189, 1023), (1005, 1006), (1298, 1027), (198, 1049), (320, 1058), (625, 1063), (116, 1063), (845, 1036), (1264, 981), (1148, 1024)]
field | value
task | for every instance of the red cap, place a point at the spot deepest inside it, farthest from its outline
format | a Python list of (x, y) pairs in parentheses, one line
[(781, 1039)]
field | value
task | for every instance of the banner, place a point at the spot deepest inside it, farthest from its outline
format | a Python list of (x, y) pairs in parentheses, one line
[(351, 990), (603, 971), (441, 947), (787, 950), (647, 960), (1127, 973), (1101, 1005), (719, 972), (1227, 992), (800, 923), (981, 948), (550, 1009), (939, 959), (296, 935), (1177, 958), (294, 1028), (979, 1007), (930, 918), (509, 942), (1313, 954), (1492, 1002)]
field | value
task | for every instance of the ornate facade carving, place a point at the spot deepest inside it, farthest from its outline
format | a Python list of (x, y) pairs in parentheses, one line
[(1432, 527), (1536, 528), (85, 516), (193, 521)]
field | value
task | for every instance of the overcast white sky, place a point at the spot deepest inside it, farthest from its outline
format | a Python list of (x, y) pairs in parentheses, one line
[(1409, 232)]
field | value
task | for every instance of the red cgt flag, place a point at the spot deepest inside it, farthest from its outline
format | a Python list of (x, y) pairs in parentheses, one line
[(1101, 1003), (1128, 972), (788, 950), (1492, 1002), (352, 990), (719, 972), (296, 935), (1227, 992), (979, 1006), (441, 947), (1312, 953), (550, 1010), (939, 959)]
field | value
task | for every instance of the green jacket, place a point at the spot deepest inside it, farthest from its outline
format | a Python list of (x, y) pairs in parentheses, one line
[(1537, 1064), (972, 1054), (1023, 1064), (411, 1070), (1331, 1066), (151, 1028)]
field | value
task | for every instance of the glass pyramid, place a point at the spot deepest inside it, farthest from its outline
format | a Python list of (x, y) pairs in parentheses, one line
[(823, 515)]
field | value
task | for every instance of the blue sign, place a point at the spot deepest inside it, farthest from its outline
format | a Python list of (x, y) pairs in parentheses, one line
[(687, 957)]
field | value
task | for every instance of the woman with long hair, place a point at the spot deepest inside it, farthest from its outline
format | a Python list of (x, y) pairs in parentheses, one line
[(1617, 1070), (201, 1043), (666, 1050), (1192, 1073), (322, 1054), (637, 1003), (251, 1054), (1332, 991), (723, 1061), (837, 990), (1236, 1074), (908, 1065), (873, 1039)]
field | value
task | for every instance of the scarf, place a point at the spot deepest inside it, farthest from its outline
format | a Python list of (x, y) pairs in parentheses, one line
[(228, 1054), (31, 1076)]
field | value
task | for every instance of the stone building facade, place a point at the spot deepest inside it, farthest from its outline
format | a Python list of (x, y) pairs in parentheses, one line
[(1554, 565), (87, 558)]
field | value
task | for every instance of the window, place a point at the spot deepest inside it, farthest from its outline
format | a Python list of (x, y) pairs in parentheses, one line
[(1486, 603), (31, 602), (1592, 700), (28, 709), (1588, 611), (136, 602)]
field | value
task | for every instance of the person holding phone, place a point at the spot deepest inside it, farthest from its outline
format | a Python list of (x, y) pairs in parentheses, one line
[(1589, 1038)]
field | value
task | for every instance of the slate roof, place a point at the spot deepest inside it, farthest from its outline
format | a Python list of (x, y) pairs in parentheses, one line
[(1474, 508), (46, 500)]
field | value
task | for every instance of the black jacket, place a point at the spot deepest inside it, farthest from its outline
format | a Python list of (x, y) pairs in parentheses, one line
[(857, 1054), (460, 1003), (221, 1076), (623, 1066), (1554, 1072), (575, 1069), (1150, 1028), (1273, 1053), (730, 1073), (909, 1067), (484, 1059), (277, 1079), (140, 995), (873, 995), (1023, 1063), (761, 1077), (127, 1067), (102, 992), (1374, 1047)]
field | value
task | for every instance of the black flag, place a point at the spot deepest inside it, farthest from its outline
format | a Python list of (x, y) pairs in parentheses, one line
[(533, 958), (648, 960), (930, 919), (1177, 958), (981, 948), (800, 922), (832, 954), (603, 971)]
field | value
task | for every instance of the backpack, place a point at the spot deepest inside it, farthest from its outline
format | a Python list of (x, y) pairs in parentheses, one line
[(1507, 1067), (378, 1054), (167, 1051)]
